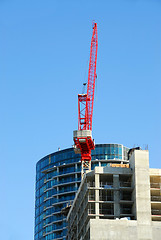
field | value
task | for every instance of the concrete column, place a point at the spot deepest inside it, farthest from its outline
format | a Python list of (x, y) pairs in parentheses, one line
[(139, 162), (116, 185), (97, 185)]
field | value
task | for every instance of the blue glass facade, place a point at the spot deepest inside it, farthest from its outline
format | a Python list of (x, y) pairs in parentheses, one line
[(58, 176)]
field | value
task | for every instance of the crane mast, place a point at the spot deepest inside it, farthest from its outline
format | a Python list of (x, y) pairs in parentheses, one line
[(83, 136)]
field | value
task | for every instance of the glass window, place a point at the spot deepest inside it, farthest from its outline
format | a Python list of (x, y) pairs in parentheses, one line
[(116, 150), (107, 150), (120, 150), (102, 150), (112, 150)]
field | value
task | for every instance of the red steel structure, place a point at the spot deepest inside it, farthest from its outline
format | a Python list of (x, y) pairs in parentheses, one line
[(83, 137), (85, 101)]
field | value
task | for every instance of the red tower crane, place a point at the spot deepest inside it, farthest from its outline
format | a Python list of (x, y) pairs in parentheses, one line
[(83, 136)]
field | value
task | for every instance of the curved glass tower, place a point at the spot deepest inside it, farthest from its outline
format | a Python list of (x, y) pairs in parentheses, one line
[(58, 177)]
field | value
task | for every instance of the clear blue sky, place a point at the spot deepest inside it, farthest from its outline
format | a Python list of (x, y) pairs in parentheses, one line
[(44, 51)]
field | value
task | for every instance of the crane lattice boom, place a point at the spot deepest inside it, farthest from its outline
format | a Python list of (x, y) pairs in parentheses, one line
[(92, 76), (85, 101)]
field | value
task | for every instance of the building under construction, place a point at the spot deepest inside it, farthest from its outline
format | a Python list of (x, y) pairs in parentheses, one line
[(118, 202)]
